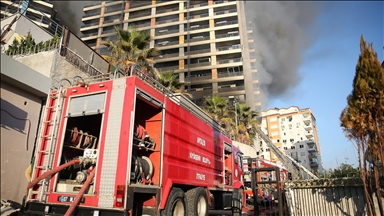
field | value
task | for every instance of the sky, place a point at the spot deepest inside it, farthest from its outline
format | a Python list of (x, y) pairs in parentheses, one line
[(328, 69)]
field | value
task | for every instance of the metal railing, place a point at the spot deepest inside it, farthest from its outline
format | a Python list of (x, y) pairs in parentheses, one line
[(199, 64), (226, 61), (166, 32), (195, 52), (164, 56), (226, 23), (226, 35), (238, 46), (79, 62), (167, 44), (223, 75), (200, 38), (167, 21)]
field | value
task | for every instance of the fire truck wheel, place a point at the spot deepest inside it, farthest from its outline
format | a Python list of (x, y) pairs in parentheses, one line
[(197, 202), (176, 203)]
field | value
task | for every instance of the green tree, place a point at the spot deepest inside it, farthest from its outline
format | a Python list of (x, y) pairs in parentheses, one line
[(363, 120), (132, 47), (344, 170), (246, 122)]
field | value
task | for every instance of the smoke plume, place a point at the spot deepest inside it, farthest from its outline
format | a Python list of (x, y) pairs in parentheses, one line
[(70, 13), (281, 31)]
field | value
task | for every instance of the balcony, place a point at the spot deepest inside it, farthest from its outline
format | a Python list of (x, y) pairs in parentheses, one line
[(310, 141), (309, 134), (199, 64), (224, 23), (166, 31), (197, 77), (167, 21), (237, 46), (227, 35), (197, 27), (166, 43), (233, 74), (142, 25), (165, 56), (230, 89), (196, 52), (314, 164), (199, 38), (136, 15), (308, 127), (312, 148), (170, 68), (196, 5), (228, 61), (167, 10), (225, 12), (96, 13), (311, 156), (306, 119), (197, 16), (137, 4)]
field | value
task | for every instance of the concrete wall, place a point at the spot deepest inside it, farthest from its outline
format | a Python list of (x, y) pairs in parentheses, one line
[(41, 62), (247, 150), (15, 133)]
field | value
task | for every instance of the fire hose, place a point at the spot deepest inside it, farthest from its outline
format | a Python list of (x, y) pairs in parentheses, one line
[(51, 172), (80, 194)]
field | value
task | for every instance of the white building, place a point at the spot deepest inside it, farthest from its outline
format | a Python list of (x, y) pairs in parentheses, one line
[(294, 131)]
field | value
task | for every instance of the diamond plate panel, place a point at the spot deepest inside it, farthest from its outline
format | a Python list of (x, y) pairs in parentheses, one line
[(111, 145)]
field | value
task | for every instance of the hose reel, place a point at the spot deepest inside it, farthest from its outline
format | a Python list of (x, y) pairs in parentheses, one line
[(141, 169)]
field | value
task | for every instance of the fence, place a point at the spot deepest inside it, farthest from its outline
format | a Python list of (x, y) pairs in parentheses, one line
[(333, 197)]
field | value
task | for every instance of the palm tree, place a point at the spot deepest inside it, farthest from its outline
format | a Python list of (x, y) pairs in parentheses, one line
[(246, 122), (217, 107), (170, 80), (132, 47)]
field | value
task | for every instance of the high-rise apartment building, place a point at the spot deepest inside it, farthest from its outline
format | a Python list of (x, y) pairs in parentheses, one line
[(206, 42), (294, 131), (40, 12)]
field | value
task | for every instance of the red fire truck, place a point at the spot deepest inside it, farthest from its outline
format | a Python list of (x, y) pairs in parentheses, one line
[(127, 146)]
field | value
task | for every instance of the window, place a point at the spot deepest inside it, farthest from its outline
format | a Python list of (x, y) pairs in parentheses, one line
[(297, 124), (292, 147), (285, 148), (275, 133), (292, 140), (282, 127), (273, 126), (282, 119), (302, 153), (290, 126), (273, 119), (267, 150), (301, 146), (278, 140), (284, 141)]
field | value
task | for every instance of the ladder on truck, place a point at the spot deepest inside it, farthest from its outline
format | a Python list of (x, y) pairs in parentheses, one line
[(298, 172), (47, 139)]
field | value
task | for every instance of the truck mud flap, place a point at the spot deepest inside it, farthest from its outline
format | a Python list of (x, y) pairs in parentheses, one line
[(33, 208)]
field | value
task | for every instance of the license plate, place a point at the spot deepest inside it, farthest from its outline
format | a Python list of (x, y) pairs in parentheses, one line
[(69, 199)]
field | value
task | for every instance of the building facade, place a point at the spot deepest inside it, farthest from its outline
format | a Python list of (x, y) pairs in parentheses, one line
[(294, 131), (41, 13), (206, 42)]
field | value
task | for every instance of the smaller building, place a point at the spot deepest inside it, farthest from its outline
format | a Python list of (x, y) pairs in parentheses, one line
[(294, 131)]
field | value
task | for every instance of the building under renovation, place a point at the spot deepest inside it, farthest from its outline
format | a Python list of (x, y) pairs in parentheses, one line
[(206, 42)]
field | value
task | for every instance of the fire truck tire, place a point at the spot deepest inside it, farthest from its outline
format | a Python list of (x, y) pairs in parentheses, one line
[(176, 203), (240, 198), (197, 202)]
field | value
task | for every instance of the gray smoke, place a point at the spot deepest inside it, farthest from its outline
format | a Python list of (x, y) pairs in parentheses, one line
[(70, 13), (282, 32)]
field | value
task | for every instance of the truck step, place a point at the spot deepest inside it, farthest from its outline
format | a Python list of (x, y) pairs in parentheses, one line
[(37, 192)]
